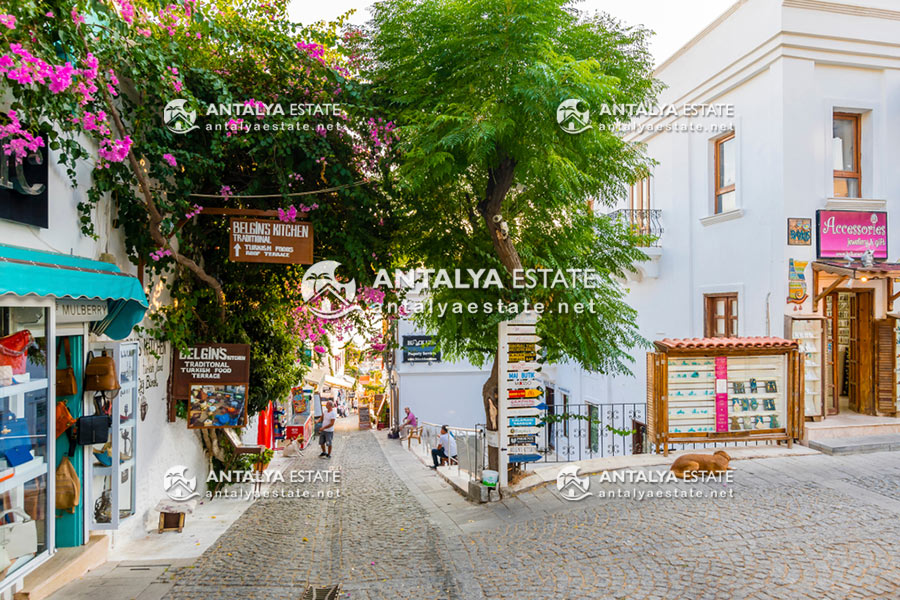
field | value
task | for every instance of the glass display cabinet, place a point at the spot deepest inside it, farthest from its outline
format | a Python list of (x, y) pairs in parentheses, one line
[(112, 479), (809, 333)]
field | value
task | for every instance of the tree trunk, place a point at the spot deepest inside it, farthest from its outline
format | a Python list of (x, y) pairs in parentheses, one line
[(500, 181)]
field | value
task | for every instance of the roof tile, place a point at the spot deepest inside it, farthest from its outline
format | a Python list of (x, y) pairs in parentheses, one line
[(731, 343)]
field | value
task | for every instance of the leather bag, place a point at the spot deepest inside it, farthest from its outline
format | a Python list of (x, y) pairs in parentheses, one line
[(19, 537), (66, 384), (68, 486), (92, 429), (100, 373), (14, 351), (64, 418), (15, 444)]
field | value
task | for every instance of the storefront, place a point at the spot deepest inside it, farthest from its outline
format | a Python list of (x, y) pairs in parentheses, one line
[(854, 338), (54, 310)]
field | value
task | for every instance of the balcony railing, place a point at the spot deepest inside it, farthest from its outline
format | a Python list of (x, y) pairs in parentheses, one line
[(644, 222)]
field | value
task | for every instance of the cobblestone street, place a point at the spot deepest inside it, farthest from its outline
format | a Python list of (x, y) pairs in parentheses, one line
[(804, 527)]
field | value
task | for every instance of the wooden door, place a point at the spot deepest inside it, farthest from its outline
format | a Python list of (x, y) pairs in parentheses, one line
[(852, 354), (863, 353), (830, 353), (885, 365)]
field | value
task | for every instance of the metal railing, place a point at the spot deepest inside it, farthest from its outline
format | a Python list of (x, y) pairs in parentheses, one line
[(585, 431), (469, 445), (646, 222)]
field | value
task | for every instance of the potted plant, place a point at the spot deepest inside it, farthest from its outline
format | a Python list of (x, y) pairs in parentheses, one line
[(261, 461)]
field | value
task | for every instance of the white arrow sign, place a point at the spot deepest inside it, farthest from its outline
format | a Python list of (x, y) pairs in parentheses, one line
[(237, 249)]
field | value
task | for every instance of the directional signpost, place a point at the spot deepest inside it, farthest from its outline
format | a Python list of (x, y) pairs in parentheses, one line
[(270, 241), (521, 403)]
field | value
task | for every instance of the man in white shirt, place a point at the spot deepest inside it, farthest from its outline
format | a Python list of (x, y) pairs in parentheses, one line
[(446, 447), (326, 431)]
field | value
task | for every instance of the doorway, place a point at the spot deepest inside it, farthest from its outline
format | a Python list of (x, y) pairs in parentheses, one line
[(851, 366)]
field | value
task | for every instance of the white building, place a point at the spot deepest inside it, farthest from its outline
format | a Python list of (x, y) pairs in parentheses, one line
[(59, 285), (815, 92)]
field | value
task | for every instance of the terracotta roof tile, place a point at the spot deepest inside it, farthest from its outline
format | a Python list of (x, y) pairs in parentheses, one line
[(714, 343)]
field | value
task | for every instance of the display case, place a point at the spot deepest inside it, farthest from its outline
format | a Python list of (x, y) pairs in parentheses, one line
[(724, 389), (26, 358), (113, 481), (809, 333)]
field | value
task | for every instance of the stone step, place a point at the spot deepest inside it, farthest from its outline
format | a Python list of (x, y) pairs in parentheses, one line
[(857, 445), (64, 566)]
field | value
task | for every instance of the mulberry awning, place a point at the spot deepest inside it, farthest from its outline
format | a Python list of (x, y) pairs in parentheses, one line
[(26, 272)]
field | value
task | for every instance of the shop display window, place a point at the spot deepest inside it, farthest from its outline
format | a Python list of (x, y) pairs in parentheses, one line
[(24, 441), (755, 390)]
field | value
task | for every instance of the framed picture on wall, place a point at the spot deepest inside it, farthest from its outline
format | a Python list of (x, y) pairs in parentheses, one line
[(799, 231)]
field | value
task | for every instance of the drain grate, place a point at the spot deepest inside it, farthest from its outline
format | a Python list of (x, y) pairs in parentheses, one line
[(322, 592)]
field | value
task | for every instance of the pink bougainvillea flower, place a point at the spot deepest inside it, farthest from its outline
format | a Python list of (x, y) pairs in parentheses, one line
[(321, 350), (169, 159), (8, 20), (225, 191), (50, 14), (77, 18)]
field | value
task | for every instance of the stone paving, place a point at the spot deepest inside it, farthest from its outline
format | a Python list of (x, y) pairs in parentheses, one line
[(811, 527)]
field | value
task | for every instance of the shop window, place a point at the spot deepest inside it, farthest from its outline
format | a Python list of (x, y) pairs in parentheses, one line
[(25, 463), (721, 315), (725, 174), (846, 155)]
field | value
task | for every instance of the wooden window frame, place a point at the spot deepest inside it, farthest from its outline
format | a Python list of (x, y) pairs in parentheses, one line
[(641, 199), (709, 316), (718, 191), (857, 154)]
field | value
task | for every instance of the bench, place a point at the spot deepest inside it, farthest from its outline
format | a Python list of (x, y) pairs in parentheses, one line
[(414, 433)]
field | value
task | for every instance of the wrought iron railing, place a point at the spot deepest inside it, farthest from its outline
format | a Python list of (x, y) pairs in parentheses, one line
[(644, 222), (585, 431)]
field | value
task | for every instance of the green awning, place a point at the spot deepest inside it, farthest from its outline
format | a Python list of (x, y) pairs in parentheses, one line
[(25, 272)]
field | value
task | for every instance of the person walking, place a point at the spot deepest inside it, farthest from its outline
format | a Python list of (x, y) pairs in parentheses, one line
[(446, 448), (326, 431)]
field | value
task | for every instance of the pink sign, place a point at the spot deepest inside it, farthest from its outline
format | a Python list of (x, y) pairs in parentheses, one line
[(839, 232), (721, 394)]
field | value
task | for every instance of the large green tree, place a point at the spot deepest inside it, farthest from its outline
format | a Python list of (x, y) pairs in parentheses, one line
[(486, 176)]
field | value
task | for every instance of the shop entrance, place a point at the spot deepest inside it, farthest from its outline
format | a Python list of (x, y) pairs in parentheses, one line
[(851, 368)]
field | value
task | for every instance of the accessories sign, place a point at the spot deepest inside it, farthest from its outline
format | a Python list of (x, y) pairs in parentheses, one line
[(842, 232)]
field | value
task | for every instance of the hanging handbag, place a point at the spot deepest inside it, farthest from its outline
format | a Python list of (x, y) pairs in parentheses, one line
[(68, 486), (92, 429), (100, 373), (64, 418), (66, 384), (14, 351), (19, 537)]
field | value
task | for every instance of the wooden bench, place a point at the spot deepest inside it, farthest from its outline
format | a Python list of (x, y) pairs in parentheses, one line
[(414, 433)]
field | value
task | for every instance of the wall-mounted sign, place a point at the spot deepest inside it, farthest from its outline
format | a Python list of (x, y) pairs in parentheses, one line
[(797, 281), (23, 189), (799, 232), (270, 241), (420, 348), (842, 232), (213, 364), (81, 311)]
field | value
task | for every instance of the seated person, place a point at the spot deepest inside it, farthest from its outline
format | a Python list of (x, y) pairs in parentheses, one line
[(409, 422), (446, 447)]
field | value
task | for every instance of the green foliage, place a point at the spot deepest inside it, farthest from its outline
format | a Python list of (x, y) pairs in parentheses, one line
[(550, 418), (262, 458), (220, 53), (474, 86)]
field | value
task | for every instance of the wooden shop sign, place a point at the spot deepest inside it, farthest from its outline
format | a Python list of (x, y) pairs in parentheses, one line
[(270, 241)]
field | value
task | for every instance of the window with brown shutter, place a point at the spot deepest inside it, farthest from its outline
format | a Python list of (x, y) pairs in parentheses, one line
[(721, 315), (885, 363)]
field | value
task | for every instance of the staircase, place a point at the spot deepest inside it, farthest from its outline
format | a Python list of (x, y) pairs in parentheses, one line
[(852, 433)]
